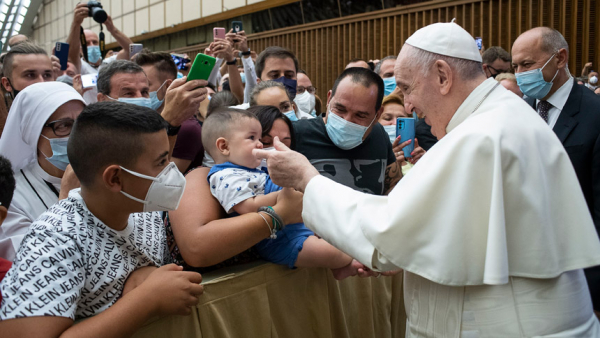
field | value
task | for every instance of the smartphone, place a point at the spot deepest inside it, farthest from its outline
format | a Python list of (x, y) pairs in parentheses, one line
[(405, 127), (479, 42), (202, 67), (61, 51), (135, 48), (181, 61), (237, 26), (219, 33), (89, 80)]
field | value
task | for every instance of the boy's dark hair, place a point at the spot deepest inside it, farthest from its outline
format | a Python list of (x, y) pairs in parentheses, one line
[(267, 115), (366, 78), (115, 67), (108, 133), (220, 123), (162, 61), (273, 52), (21, 48), (7, 182), (221, 100)]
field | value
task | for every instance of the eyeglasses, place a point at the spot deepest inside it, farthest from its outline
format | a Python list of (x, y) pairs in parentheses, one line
[(61, 127), (301, 89), (498, 71)]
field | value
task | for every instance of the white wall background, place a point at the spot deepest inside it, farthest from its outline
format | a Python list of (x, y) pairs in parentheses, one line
[(133, 17)]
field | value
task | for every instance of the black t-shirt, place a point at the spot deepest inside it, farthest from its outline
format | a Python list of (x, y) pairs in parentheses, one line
[(361, 168)]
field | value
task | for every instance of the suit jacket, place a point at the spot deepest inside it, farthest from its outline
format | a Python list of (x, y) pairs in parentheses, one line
[(578, 128)]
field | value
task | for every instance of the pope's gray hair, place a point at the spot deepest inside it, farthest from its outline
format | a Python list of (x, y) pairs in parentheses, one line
[(424, 60)]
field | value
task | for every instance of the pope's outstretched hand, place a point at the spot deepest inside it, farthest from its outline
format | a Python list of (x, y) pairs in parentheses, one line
[(287, 168)]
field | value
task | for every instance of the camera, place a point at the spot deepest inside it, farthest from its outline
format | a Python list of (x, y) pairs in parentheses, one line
[(96, 11)]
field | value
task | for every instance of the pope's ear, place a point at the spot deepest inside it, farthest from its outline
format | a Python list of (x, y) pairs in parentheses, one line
[(443, 76)]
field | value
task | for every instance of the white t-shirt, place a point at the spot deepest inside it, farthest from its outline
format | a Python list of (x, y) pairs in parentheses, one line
[(234, 185), (70, 264)]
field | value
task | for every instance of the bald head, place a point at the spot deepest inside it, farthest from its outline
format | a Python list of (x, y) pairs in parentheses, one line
[(545, 39), (546, 49), (16, 39), (91, 38)]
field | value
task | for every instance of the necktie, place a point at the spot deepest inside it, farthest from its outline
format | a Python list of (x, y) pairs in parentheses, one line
[(543, 108)]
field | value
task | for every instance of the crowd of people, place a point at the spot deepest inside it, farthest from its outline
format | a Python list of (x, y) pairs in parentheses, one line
[(114, 198)]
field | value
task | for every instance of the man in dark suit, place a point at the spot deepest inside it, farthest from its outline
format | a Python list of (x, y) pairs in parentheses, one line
[(571, 110)]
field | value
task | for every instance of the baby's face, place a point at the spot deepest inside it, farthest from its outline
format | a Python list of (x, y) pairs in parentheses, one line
[(245, 139)]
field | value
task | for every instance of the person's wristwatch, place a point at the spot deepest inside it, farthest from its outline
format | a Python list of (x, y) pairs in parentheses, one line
[(173, 131), (246, 53), (232, 62)]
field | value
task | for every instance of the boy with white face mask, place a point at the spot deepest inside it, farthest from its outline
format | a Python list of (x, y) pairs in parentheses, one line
[(96, 254)]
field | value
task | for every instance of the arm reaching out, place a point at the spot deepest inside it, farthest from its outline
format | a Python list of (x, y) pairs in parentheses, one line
[(252, 204)]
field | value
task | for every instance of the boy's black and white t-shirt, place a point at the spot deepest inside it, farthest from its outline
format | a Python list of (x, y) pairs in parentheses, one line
[(70, 264)]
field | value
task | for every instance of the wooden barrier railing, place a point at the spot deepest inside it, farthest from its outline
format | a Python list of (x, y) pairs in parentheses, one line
[(323, 48)]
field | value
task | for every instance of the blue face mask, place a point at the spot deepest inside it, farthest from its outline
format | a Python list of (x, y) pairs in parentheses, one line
[(289, 84), (345, 135), (179, 75), (390, 85), (151, 102), (532, 82), (243, 75), (93, 53), (59, 157), (291, 115), (391, 130)]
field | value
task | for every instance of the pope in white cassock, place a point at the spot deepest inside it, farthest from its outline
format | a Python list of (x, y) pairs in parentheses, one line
[(490, 226)]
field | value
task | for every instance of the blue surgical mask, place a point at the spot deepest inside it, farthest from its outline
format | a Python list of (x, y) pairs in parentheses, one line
[(291, 115), (151, 102), (93, 53), (243, 75), (155, 102), (390, 85), (345, 135), (391, 130), (532, 82), (289, 84), (179, 75), (59, 157)]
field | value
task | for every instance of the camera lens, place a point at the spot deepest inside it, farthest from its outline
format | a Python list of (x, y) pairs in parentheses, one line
[(99, 15)]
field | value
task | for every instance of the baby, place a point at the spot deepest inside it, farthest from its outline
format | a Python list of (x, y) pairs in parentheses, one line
[(229, 136)]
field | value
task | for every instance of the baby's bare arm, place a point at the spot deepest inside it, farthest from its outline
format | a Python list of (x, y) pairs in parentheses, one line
[(252, 204)]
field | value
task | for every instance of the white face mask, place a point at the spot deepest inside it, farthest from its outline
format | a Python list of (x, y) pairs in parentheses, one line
[(263, 162), (391, 130), (165, 192), (305, 102)]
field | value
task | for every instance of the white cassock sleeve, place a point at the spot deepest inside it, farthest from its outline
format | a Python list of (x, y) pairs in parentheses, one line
[(496, 197), (341, 227)]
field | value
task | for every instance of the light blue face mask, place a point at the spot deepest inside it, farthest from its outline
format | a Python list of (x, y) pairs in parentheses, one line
[(345, 135), (151, 102), (391, 130), (390, 85), (59, 157), (532, 82), (291, 115), (93, 53), (243, 75)]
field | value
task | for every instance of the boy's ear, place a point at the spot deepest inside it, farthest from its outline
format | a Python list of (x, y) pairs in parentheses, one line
[(3, 214), (222, 146), (111, 178)]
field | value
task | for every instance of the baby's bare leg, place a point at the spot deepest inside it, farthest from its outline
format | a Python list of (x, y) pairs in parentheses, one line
[(317, 253)]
